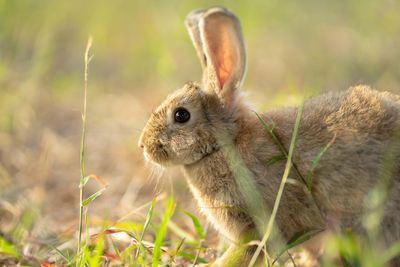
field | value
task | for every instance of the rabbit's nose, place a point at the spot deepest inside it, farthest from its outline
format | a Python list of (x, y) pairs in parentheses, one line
[(140, 142)]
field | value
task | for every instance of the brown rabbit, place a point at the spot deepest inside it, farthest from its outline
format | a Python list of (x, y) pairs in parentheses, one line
[(197, 125)]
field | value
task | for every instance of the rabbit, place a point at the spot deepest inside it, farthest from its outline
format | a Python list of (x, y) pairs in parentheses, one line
[(361, 124)]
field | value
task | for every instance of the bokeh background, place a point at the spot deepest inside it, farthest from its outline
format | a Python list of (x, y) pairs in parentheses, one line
[(142, 52)]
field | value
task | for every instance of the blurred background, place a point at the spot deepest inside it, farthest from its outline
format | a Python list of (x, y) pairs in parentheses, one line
[(142, 52)]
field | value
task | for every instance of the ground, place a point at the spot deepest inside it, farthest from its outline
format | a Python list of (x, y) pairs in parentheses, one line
[(141, 54)]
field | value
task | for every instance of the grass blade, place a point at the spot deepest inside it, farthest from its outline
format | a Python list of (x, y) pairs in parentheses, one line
[(276, 159), (191, 256), (281, 187), (315, 163), (8, 248), (279, 144), (117, 252), (162, 231), (59, 252), (269, 130), (94, 176), (392, 252), (299, 234), (292, 260), (298, 174), (296, 240), (196, 224), (148, 217), (82, 150), (93, 197), (176, 250), (83, 258), (146, 224), (94, 260)]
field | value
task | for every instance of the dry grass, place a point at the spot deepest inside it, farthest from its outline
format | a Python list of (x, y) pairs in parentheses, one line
[(142, 53)]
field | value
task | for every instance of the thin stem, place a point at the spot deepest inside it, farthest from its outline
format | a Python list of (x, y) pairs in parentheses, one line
[(281, 187), (294, 166), (82, 152), (200, 244)]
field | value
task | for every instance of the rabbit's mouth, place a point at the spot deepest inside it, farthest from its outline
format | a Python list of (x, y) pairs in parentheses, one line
[(160, 156)]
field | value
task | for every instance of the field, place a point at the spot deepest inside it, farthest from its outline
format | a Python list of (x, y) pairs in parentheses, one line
[(141, 53)]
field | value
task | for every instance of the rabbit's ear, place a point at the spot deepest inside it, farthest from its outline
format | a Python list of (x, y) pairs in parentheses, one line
[(225, 55), (192, 25)]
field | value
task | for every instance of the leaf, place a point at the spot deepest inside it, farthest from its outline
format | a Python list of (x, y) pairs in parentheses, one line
[(148, 217), (353, 251), (93, 197), (196, 224), (75, 258), (146, 224), (191, 256), (276, 159), (87, 228), (291, 259), (126, 254), (345, 262), (8, 248), (281, 187), (299, 234), (279, 144), (297, 239), (109, 255), (117, 253), (94, 260), (106, 232), (269, 130), (162, 231), (59, 252), (128, 226), (392, 252), (176, 250), (86, 255), (98, 178), (85, 180), (315, 163)]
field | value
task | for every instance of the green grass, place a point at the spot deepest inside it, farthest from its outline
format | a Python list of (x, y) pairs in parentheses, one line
[(143, 51), (92, 253), (83, 181), (281, 187)]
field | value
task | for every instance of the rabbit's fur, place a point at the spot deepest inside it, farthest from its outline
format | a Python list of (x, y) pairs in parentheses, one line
[(361, 124)]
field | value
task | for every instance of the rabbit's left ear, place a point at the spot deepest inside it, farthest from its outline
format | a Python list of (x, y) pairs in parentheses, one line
[(218, 37), (192, 24)]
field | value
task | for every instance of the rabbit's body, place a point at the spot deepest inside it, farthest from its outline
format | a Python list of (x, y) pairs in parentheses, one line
[(344, 167), (361, 125)]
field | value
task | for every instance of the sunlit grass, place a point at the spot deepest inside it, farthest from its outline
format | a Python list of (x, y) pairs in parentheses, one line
[(142, 50), (288, 167)]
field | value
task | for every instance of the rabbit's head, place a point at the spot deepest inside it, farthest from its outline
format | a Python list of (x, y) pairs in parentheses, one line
[(182, 129)]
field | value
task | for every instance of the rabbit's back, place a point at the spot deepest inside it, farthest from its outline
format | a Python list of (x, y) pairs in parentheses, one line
[(363, 127)]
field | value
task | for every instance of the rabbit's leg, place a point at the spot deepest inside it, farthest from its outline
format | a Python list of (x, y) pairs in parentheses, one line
[(237, 255)]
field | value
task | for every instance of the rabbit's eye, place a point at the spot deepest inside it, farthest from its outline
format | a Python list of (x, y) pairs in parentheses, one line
[(182, 115)]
